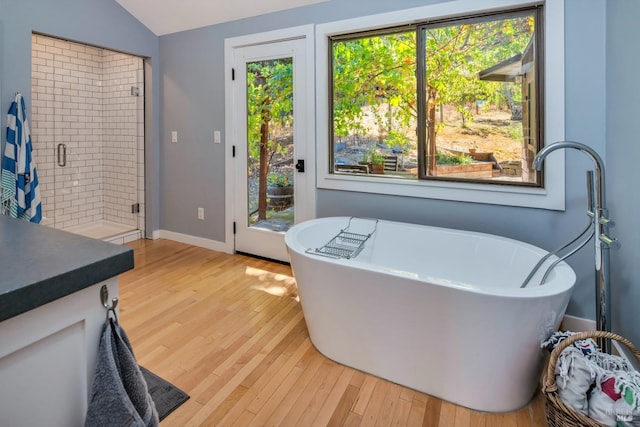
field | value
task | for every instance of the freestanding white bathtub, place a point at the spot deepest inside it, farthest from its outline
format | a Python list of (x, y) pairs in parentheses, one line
[(437, 310)]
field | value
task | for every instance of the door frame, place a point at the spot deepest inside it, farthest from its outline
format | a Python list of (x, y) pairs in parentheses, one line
[(307, 148)]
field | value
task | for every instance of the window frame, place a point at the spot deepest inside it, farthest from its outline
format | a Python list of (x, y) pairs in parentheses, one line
[(549, 196)]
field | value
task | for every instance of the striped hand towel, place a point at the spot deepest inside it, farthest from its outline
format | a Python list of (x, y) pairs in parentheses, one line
[(20, 191)]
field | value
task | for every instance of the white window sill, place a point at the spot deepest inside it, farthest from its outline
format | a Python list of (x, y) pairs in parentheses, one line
[(455, 191)]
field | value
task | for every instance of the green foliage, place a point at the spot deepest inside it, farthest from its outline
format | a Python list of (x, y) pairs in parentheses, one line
[(446, 158), (279, 180), (397, 139), (374, 71), (270, 98), (515, 132), (379, 72), (374, 157), (456, 54)]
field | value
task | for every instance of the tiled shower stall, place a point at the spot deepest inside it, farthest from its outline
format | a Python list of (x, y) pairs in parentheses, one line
[(88, 138)]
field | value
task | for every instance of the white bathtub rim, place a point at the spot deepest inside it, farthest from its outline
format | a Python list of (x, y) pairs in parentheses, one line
[(561, 279), (495, 291)]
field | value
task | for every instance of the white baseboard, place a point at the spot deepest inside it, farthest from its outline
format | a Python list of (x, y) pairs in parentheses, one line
[(577, 324), (155, 234), (195, 241)]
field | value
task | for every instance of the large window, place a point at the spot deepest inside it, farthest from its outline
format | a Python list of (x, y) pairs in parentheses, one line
[(449, 100)]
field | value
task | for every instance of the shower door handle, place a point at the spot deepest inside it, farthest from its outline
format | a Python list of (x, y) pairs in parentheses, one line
[(62, 155)]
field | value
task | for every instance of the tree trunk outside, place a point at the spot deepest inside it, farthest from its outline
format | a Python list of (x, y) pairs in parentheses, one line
[(264, 171), (264, 160), (431, 131)]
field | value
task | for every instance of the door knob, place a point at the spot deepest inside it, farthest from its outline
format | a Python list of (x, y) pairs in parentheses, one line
[(300, 165)]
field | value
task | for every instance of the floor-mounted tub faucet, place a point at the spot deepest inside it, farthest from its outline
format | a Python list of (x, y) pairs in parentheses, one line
[(598, 209)]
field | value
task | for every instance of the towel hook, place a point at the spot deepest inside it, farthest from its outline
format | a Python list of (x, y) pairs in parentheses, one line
[(104, 298)]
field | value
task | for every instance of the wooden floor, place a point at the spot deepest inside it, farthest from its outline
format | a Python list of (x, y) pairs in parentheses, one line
[(228, 330)]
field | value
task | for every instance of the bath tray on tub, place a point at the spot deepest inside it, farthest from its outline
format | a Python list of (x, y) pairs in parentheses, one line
[(345, 244)]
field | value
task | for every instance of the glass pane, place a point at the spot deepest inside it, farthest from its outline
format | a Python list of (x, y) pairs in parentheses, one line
[(270, 144), (480, 99), (374, 105)]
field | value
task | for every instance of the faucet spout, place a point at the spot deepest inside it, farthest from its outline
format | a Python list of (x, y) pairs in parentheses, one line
[(600, 185)]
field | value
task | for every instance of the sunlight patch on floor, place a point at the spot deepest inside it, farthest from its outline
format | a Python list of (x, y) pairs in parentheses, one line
[(277, 284)]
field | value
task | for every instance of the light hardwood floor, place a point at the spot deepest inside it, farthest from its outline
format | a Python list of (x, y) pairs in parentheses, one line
[(228, 330)]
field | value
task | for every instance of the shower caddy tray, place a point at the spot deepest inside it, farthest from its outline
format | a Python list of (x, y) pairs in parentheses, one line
[(345, 244)]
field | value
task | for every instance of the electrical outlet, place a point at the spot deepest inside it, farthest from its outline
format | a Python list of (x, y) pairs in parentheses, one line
[(216, 137), (174, 136), (200, 213)]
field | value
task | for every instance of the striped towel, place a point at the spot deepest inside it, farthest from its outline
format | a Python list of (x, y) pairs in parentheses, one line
[(20, 191)]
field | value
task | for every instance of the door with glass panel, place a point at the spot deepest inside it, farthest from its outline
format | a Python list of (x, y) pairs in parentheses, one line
[(269, 168)]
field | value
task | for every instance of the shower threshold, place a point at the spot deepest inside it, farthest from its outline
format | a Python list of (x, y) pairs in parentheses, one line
[(108, 231)]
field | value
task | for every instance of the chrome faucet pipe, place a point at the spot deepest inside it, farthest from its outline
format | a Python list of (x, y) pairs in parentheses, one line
[(602, 240)]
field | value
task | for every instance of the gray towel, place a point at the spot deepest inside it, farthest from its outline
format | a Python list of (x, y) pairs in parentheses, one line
[(119, 396)]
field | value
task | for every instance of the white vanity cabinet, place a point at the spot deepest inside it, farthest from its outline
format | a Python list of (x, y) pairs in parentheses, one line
[(51, 318)]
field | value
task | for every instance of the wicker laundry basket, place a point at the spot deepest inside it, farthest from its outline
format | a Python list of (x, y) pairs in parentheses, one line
[(558, 413)]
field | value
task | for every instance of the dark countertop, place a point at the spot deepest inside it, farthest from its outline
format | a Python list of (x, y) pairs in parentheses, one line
[(39, 264)]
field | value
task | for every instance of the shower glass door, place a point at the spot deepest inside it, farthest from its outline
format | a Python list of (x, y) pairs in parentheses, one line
[(88, 126)]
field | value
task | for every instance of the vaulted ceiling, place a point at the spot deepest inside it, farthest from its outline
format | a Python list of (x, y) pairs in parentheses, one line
[(170, 16)]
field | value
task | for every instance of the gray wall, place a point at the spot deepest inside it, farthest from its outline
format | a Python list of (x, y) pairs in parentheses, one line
[(103, 23), (623, 156), (193, 172)]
